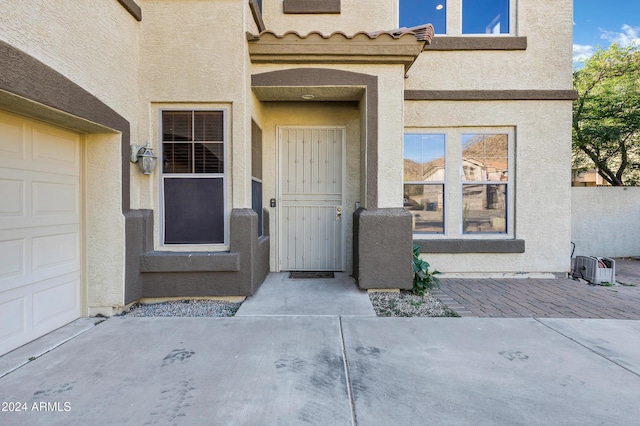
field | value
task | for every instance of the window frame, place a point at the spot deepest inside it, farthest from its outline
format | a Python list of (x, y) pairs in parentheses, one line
[(442, 183), (464, 181), (432, 22), (257, 143), (512, 4), (162, 176), (454, 181), (454, 20)]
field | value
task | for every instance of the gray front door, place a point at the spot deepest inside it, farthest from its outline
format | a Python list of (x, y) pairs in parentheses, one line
[(311, 188)]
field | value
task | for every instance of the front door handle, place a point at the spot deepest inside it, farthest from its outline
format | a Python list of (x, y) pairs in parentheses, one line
[(338, 212)]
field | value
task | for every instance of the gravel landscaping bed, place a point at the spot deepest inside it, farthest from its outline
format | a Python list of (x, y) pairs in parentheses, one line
[(407, 304), (184, 308), (385, 304)]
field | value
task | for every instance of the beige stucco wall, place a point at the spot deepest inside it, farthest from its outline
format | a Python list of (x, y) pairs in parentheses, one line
[(104, 227), (194, 55), (94, 44), (390, 135), (541, 183), (390, 123), (272, 115), (604, 221), (545, 64), (355, 16)]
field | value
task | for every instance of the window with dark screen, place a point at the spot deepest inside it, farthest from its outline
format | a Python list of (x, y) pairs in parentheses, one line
[(193, 177)]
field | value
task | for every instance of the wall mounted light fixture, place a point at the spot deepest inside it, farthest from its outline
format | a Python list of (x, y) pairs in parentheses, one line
[(144, 156)]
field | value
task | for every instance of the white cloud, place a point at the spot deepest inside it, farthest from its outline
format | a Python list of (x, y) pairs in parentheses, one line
[(627, 37), (582, 52)]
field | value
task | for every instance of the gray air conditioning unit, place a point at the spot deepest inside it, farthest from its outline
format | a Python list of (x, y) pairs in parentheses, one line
[(596, 270)]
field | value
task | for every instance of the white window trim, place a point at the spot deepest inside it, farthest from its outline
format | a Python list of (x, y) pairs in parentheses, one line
[(513, 4), (224, 176), (255, 179), (444, 182), (453, 182), (510, 192), (454, 20)]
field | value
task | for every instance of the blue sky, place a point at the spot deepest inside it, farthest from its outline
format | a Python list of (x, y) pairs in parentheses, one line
[(601, 22)]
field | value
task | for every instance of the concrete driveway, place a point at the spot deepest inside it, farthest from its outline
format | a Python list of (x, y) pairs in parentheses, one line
[(332, 370)]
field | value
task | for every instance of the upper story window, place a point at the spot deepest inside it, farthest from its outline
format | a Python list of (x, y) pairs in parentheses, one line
[(465, 16), (420, 12), (485, 16)]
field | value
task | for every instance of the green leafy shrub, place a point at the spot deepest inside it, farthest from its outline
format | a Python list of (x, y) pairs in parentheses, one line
[(423, 279)]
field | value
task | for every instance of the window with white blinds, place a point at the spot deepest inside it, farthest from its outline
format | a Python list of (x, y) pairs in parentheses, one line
[(193, 173), (192, 142)]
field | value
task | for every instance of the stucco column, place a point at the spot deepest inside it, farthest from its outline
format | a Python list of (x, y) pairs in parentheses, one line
[(382, 232), (382, 252)]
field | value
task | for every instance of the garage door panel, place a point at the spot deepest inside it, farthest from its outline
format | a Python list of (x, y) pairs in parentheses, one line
[(28, 193), (12, 199), (55, 146), (55, 250), (31, 311), (54, 198), (38, 278), (12, 224), (12, 318), (15, 165), (60, 300), (11, 259), (40, 253), (43, 252), (12, 141)]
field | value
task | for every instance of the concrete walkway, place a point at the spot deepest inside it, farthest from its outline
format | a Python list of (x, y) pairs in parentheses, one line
[(283, 296), (338, 366)]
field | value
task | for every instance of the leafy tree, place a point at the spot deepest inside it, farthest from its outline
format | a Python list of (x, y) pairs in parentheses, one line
[(606, 115)]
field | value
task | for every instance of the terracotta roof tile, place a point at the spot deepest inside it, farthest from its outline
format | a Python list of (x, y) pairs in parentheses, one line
[(423, 33)]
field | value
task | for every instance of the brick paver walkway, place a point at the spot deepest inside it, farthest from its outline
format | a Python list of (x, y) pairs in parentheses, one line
[(538, 298)]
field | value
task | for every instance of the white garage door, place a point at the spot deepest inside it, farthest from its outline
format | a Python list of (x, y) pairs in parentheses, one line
[(39, 229)]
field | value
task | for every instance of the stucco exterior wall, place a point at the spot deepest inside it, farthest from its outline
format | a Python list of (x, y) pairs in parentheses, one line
[(95, 45), (194, 56), (283, 114), (541, 182), (545, 64), (390, 135), (355, 16), (604, 221), (104, 224), (390, 124)]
